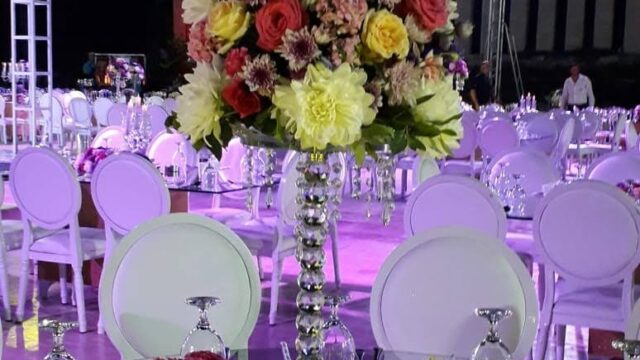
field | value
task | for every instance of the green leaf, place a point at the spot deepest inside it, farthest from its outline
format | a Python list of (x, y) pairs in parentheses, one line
[(371, 151), (416, 144), (171, 122), (451, 119), (449, 132), (214, 146), (377, 134), (399, 142), (425, 129), (226, 133), (359, 152), (422, 99)]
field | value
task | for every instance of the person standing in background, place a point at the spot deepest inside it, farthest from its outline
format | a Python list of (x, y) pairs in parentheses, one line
[(480, 87), (577, 91)]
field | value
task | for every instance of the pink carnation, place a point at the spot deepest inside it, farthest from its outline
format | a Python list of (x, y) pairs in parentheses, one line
[(200, 47)]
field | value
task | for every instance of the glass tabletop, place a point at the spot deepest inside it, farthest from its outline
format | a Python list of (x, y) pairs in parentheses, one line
[(375, 354)]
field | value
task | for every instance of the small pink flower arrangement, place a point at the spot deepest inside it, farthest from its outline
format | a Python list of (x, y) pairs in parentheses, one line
[(88, 162)]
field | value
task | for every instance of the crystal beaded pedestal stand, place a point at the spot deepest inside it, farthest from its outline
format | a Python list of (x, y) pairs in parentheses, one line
[(58, 328), (356, 181), (631, 348), (335, 182), (386, 185), (248, 164), (269, 170), (311, 233)]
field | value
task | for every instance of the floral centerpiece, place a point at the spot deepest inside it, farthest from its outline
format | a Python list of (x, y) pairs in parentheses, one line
[(87, 163), (318, 75)]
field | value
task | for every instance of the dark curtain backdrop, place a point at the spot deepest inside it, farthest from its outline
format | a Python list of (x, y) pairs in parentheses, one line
[(115, 26)]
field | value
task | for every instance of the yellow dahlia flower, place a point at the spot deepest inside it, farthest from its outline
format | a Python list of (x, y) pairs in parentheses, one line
[(199, 107), (228, 21), (384, 35), (445, 104), (327, 107)]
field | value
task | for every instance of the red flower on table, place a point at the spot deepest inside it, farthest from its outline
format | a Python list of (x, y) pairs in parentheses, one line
[(203, 355), (235, 60), (431, 14), (273, 20), (241, 99)]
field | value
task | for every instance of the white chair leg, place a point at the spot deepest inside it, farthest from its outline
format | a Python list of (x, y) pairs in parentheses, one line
[(22, 287), (541, 284), (560, 337), (404, 186), (334, 250), (64, 292), (260, 269), (543, 339), (78, 286), (4, 283), (276, 275)]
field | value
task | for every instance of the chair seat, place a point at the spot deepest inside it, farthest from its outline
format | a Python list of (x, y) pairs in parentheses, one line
[(225, 215), (600, 304), (93, 243), (461, 167), (257, 233), (12, 232)]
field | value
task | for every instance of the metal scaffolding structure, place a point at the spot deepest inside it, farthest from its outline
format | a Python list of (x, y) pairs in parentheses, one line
[(496, 32), (30, 72)]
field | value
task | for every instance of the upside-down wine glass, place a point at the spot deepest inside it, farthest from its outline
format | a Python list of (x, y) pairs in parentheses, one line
[(338, 341), (202, 337), (492, 348)]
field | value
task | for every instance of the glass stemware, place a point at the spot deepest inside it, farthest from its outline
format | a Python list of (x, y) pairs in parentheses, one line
[(179, 163), (202, 337), (492, 348), (58, 328), (209, 175), (338, 341), (631, 348)]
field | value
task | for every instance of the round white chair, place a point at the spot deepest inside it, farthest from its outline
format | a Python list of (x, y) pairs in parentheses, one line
[(449, 200), (53, 114), (467, 148), (101, 109), (542, 131), (595, 284), (424, 167), (497, 137), (111, 137), (631, 137), (157, 115), (615, 168), (170, 105), (536, 167), (177, 256), (165, 145), (115, 114), (81, 113), (53, 207), (154, 100), (590, 124), (562, 147), (419, 305)]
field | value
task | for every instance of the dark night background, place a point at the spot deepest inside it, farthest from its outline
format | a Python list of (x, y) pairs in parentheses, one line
[(116, 26)]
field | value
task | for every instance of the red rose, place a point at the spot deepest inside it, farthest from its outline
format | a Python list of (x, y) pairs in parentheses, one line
[(431, 14), (243, 101), (273, 19), (235, 60)]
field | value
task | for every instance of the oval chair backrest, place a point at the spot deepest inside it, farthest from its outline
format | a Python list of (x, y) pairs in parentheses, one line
[(80, 111), (448, 200), (596, 218), (590, 124), (615, 168), (74, 94), (169, 105), (536, 167), (3, 105), (424, 167), (564, 140), (541, 126), (101, 109), (165, 145), (288, 191), (469, 141), (177, 256), (560, 118), (45, 188), (157, 116), (111, 137), (231, 170), (618, 130), (127, 191), (115, 114), (497, 137), (419, 305), (52, 116)]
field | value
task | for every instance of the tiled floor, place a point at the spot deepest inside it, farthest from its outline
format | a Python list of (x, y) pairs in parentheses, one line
[(364, 245)]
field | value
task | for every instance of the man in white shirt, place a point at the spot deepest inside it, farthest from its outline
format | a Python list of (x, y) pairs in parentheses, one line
[(577, 91)]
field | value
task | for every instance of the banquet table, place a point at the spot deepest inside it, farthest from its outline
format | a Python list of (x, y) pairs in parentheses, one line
[(276, 354)]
